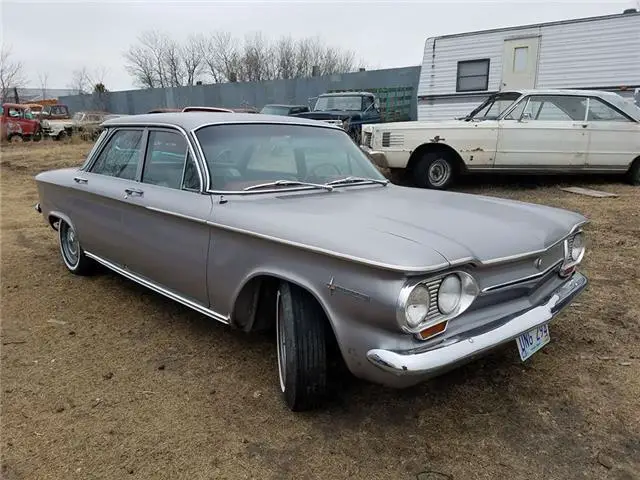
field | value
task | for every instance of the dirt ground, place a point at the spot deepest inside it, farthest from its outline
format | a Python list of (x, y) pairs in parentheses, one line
[(104, 379)]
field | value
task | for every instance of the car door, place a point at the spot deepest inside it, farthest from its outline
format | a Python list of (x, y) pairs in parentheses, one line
[(165, 222), (614, 138), (543, 132), (97, 205)]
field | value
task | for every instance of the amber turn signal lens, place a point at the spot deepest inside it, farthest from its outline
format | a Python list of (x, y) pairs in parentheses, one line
[(433, 330)]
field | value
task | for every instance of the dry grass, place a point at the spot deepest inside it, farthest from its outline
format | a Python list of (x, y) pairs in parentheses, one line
[(104, 379)]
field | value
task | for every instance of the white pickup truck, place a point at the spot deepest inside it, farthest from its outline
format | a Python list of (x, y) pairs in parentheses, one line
[(524, 131)]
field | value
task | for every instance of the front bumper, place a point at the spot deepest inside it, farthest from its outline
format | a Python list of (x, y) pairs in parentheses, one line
[(378, 157), (457, 351)]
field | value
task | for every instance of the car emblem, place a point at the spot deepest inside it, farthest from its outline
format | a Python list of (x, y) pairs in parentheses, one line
[(538, 263)]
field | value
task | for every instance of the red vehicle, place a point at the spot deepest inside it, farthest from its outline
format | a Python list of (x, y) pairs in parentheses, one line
[(18, 123)]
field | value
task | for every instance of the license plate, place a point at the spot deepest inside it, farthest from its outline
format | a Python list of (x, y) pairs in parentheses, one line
[(532, 341)]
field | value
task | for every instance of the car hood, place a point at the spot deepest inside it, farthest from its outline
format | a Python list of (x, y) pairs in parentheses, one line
[(400, 228)]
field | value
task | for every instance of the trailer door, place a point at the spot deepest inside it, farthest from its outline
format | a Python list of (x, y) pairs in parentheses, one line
[(520, 63)]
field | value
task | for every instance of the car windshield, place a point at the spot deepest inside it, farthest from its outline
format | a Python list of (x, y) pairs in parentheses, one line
[(339, 102), (493, 107), (275, 110), (241, 156), (78, 117)]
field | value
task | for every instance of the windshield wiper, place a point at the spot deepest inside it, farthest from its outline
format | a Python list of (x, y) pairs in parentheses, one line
[(288, 183), (357, 180)]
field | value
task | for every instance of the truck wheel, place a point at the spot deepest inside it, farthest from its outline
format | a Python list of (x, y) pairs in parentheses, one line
[(15, 138), (37, 136), (302, 348), (633, 175), (62, 135), (434, 170)]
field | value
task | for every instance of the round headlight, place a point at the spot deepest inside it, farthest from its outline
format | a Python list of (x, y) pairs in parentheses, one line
[(577, 247), (417, 306), (449, 294)]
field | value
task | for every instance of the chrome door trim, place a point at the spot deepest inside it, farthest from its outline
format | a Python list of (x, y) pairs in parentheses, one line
[(157, 288)]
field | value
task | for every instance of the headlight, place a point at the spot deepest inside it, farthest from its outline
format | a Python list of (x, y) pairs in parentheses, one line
[(417, 306), (577, 247), (428, 302), (449, 294)]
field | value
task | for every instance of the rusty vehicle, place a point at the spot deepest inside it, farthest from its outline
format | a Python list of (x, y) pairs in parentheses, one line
[(17, 123), (283, 224)]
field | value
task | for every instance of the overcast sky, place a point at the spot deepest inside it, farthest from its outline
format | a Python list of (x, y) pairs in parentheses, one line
[(59, 37)]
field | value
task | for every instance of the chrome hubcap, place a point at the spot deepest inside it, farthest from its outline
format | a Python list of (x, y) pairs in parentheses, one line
[(70, 245), (280, 338), (439, 172)]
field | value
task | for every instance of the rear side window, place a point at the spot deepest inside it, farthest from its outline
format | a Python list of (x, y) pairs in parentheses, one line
[(121, 155), (167, 162)]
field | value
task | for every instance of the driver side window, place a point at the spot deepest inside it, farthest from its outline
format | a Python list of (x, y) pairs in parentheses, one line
[(121, 156)]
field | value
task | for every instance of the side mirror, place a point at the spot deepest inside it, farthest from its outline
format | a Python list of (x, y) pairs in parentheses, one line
[(525, 117)]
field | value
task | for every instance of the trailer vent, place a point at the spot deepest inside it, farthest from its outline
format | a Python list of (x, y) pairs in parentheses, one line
[(392, 139)]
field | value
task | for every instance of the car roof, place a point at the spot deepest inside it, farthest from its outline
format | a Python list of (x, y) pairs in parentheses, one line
[(344, 94), (612, 97), (283, 105), (194, 120)]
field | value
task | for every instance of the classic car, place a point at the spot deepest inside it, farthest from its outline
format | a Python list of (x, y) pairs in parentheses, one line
[(274, 222), (17, 123), (524, 131), (56, 121), (277, 109)]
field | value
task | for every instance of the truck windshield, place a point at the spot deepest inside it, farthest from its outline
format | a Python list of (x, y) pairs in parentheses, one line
[(339, 102), (275, 110), (493, 107)]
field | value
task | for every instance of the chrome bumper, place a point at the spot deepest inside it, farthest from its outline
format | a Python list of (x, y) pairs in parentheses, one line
[(439, 359), (378, 157)]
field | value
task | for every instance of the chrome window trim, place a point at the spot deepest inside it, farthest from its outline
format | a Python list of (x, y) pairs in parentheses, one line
[(159, 289), (150, 125), (98, 151)]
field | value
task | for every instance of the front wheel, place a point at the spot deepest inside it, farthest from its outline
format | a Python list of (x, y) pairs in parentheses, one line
[(434, 170), (73, 255), (302, 348)]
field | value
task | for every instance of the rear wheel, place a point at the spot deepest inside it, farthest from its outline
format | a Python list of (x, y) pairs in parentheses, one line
[(62, 135), (73, 256), (15, 138), (434, 170), (301, 347), (633, 175)]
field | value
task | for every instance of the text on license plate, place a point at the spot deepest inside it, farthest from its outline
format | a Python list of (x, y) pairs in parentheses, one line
[(532, 341)]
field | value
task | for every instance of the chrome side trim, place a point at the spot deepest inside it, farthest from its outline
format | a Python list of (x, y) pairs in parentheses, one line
[(157, 288), (520, 256), (389, 266), (331, 253), (176, 214), (523, 279)]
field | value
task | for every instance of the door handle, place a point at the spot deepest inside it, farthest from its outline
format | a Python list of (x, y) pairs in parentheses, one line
[(80, 180), (583, 125), (133, 191)]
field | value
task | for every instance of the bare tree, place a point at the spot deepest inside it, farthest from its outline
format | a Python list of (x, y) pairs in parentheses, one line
[(81, 81), (43, 78), (192, 56), (11, 73), (159, 61)]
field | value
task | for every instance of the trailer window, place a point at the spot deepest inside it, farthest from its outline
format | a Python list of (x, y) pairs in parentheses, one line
[(473, 75)]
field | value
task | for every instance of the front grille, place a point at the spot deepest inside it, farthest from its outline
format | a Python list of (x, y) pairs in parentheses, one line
[(433, 288), (392, 140)]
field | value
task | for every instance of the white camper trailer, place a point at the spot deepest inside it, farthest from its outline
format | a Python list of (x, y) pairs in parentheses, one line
[(597, 53)]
